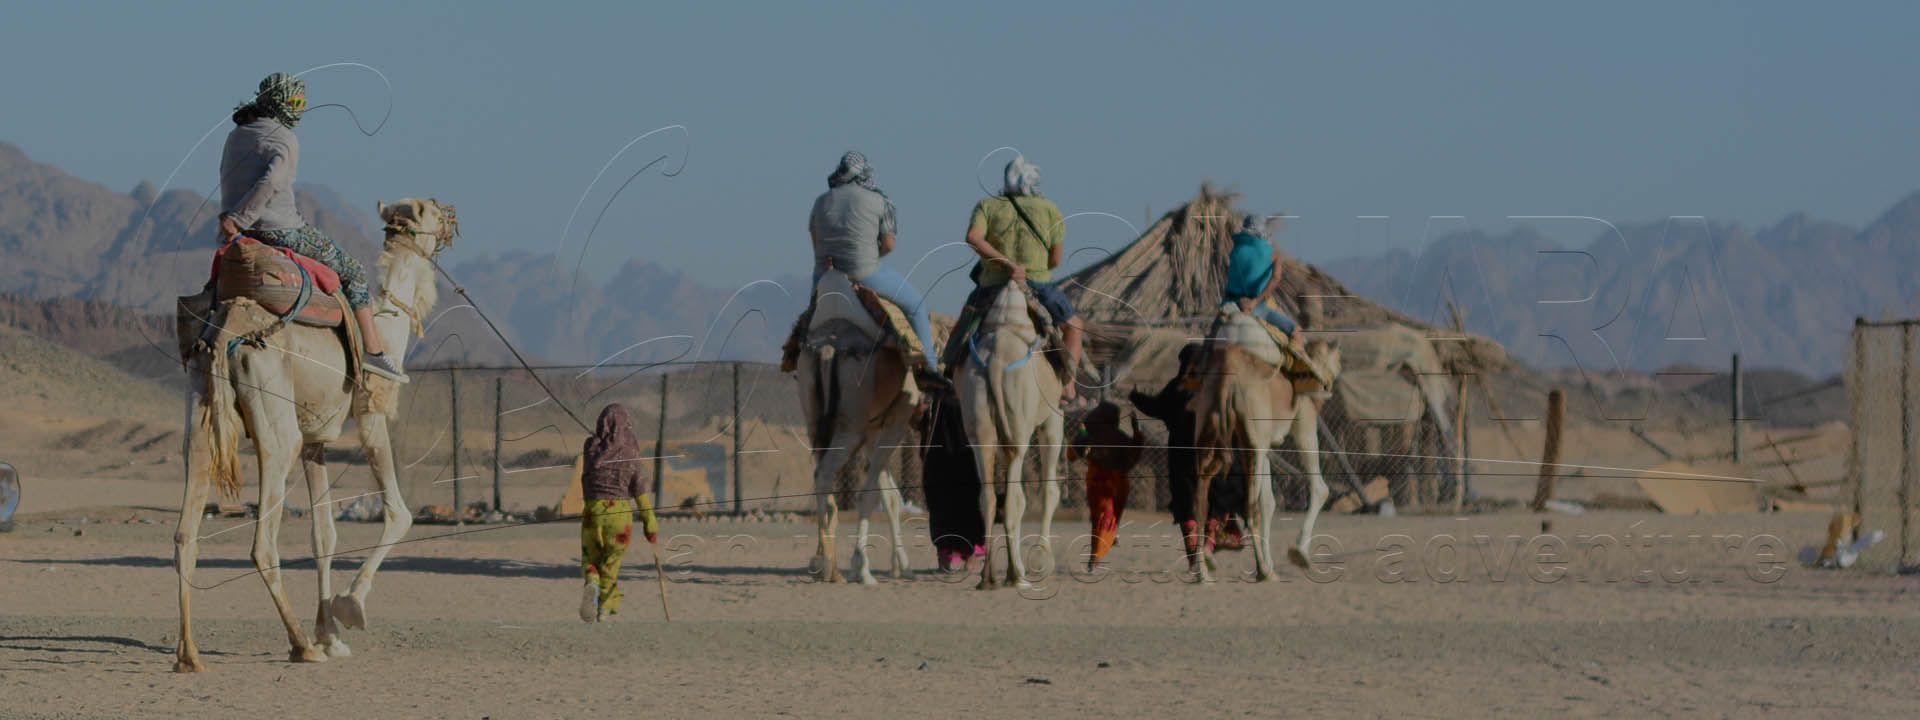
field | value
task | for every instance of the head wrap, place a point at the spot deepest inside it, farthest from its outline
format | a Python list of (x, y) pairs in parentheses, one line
[(1023, 178), (853, 169), (274, 100), (613, 453), (1254, 224)]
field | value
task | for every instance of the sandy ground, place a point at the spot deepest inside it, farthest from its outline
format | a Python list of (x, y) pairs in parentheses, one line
[(480, 622)]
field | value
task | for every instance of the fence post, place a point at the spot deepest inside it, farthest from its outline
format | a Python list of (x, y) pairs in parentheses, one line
[(1463, 445), (1739, 389), (739, 434), (660, 447), (499, 397), (1550, 455), (453, 393)]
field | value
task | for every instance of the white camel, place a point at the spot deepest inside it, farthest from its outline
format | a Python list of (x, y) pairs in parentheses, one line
[(1006, 391), (1247, 405), (292, 394), (855, 398)]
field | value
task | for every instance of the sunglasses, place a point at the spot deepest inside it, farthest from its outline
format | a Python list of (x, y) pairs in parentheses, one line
[(297, 102)]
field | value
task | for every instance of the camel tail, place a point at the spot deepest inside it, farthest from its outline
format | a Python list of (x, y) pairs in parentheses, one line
[(218, 420), (826, 397), (1218, 432)]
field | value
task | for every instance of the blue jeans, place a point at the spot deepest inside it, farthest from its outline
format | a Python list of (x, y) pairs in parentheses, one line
[(890, 284), (1274, 316)]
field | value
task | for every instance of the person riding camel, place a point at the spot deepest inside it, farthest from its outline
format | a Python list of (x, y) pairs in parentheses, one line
[(257, 170), (1254, 268), (852, 226), (1020, 236)]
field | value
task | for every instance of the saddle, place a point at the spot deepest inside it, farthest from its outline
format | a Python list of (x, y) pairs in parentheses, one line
[(293, 287), (968, 323), (883, 319), (1266, 343)]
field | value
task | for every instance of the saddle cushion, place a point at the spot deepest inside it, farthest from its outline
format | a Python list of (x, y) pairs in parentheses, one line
[(889, 316), (1266, 343), (269, 275)]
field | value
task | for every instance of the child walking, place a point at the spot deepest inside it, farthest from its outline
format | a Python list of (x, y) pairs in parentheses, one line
[(1110, 455), (613, 483)]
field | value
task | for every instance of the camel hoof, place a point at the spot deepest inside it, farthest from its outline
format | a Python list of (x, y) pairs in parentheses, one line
[(867, 579), (306, 655), (189, 665), (1299, 558), (1263, 574), (347, 611), (836, 577), (336, 649)]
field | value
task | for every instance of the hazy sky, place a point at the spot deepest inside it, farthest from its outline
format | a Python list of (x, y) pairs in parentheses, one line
[(510, 111)]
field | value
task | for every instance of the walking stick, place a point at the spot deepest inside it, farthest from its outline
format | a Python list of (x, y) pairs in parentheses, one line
[(660, 572)]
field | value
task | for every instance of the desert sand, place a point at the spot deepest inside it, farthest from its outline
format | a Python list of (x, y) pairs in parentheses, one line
[(479, 621)]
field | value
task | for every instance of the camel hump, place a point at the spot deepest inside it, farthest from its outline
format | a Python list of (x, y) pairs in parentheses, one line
[(837, 299), (1244, 331)]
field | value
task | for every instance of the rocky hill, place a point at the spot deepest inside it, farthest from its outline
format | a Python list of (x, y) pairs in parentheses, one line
[(1663, 294), (63, 237)]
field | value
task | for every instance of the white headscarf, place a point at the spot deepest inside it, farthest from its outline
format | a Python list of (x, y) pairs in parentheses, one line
[(1023, 178), (1254, 224)]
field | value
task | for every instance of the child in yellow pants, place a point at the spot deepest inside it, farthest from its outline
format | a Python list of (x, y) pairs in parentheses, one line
[(610, 472)]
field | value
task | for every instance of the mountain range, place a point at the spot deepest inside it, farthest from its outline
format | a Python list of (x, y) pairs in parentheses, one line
[(64, 237), (1664, 294), (1643, 297)]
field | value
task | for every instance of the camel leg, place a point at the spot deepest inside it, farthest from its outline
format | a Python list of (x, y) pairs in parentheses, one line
[(825, 566), (1260, 512), (276, 446), (186, 545), (326, 632), (350, 609), (1306, 428), (889, 494), (1053, 433), (983, 459), (869, 501), (1016, 513), (891, 500), (1197, 557)]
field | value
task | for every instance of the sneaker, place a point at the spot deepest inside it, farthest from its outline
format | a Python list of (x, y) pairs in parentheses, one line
[(380, 364), (590, 602)]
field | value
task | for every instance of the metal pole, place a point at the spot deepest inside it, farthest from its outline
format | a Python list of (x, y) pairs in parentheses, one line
[(739, 434), (660, 447), (499, 396), (1739, 389), (453, 393)]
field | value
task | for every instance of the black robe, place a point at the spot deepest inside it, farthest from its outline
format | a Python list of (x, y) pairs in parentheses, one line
[(1228, 494), (949, 480)]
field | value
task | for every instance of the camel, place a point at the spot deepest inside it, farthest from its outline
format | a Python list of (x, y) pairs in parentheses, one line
[(1246, 405), (1006, 392), (291, 393), (853, 390)]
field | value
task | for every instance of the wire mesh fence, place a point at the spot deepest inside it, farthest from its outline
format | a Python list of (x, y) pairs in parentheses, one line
[(1884, 404), (724, 437)]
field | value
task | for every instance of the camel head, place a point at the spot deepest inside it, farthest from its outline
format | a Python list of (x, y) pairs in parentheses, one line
[(1327, 353), (421, 226), (416, 231)]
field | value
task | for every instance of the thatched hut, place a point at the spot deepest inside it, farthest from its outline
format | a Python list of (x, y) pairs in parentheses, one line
[(1145, 303), (1173, 276)]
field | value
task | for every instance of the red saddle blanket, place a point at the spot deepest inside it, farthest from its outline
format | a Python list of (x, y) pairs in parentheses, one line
[(268, 275), (325, 280)]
